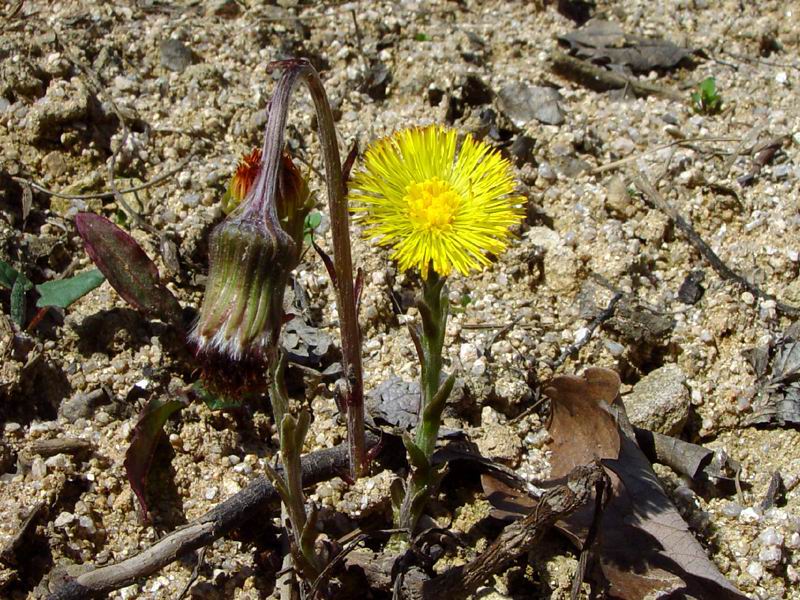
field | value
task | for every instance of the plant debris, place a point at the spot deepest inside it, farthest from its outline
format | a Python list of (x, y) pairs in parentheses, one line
[(604, 42), (776, 366)]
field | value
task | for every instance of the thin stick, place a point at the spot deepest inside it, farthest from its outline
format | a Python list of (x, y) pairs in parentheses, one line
[(107, 194), (684, 142), (251, 502), (516, 539), (723, 270), (601, 318), (600, 77)]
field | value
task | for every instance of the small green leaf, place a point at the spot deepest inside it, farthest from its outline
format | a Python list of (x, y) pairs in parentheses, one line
[(139, 455), (21, 285), (63, 292), (422, 37), (215, 402), (8, 275), (312, 221), (416, 457)]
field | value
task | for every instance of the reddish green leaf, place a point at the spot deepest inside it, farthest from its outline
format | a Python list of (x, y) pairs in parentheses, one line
[(126, 266), (139, 455)]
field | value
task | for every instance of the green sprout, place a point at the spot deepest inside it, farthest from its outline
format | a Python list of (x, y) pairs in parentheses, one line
[(310, 225), (706, 100)]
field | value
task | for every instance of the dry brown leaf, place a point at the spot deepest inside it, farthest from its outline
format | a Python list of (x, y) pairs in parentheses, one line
[(644, 548)]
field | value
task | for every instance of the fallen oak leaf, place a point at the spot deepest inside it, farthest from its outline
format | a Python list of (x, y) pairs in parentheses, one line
[(146, 434), (643, 548)]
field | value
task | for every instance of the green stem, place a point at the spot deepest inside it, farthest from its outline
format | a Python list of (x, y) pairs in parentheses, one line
[(292, 433), (434, 308)]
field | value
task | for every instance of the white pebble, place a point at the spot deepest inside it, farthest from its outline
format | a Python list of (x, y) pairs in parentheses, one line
[(211, 493), (749, 515), (468, 353), (478, 368), (64, 519), (770, 556), (755, 570), (771, 537)]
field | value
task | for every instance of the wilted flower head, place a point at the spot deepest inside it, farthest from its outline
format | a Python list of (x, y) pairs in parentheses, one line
[(437, 203), (242, 180), (251, 254)]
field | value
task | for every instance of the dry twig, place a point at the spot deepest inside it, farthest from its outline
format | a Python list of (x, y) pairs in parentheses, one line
[(723, 270), (598, 77), (252, 501)]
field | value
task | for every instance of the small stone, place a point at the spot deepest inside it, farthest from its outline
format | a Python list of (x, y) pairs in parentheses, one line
[(660, 401), (522, 149), (614, 348), (211, 493), (546, 172), (770, 556), (749, 515), (755, 570), (781, 171), (691, 289), (478, 367), (82, 406), (38, 468), (770, 537), (87, 525), (64, 519), (732, 509), (175, 56), (523, 103), (748, 298), (377, 81), (468, 353), (223, 8), (793, 543)]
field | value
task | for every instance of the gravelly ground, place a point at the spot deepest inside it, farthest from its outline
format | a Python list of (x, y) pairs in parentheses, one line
[(70, 69)]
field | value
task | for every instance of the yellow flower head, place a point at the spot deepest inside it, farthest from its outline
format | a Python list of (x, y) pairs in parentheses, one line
[(436, 203)]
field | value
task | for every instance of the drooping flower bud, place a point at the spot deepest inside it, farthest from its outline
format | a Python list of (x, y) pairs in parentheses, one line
[(251, 254)]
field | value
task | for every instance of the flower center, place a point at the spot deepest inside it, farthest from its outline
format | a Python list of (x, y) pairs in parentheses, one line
[(432, 204)]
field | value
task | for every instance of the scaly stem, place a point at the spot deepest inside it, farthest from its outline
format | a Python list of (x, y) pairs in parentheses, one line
[(433, 310), (294, 70), (292, 433)]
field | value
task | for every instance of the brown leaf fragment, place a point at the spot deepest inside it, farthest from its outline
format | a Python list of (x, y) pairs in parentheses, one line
[(711, 471), (644, 549), (776, 366), (146, 434), (605, 42)]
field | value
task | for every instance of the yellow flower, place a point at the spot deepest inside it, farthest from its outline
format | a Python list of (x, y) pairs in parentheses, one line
[(436, 203)]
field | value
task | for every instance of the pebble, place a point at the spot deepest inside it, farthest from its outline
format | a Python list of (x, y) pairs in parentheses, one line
[(175, 56), (660, 401), (749, 515), (771, 537), (523, 103), (478, 367), (755, 570), (468, 353), (63, 519), (770, 556), (732, 509), (211, 493)]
